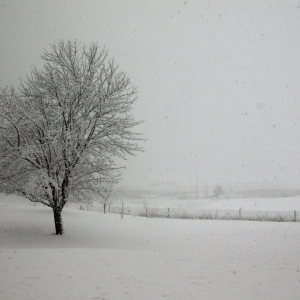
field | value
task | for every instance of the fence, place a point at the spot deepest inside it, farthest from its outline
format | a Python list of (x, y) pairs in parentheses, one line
[(218, 214), (185, 213)]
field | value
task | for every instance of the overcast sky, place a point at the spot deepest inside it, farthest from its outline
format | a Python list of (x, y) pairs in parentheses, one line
[(218, 81)]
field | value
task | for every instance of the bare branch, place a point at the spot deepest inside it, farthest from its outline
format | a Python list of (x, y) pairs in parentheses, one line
[(63, 127)]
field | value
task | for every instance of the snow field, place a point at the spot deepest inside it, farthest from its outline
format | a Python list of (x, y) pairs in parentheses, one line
[(264, 209), (260, 204), (105, 257)]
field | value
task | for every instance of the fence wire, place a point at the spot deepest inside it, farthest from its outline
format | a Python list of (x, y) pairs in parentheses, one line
[(219, 214)]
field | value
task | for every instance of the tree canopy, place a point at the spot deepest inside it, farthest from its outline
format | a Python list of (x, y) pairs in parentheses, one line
[(62, 128)]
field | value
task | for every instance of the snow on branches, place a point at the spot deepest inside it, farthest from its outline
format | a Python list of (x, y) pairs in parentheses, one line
[(62, 128)]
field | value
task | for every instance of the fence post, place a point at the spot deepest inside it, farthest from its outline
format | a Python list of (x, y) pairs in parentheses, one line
[(122, 212), (295, 216), (240, 213)]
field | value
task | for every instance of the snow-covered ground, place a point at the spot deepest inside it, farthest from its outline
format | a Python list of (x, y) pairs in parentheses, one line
[(256, 204), (106, 257), (261, 204)]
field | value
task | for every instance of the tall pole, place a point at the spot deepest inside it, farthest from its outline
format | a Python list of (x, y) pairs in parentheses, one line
[(197, 191)]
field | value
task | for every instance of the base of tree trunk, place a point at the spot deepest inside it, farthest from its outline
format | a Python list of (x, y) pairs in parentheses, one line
[(58, 221)]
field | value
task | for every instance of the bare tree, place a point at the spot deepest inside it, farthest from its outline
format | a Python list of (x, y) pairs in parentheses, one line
[(106, 198), (145, 205), (63, 127), (218, 191)]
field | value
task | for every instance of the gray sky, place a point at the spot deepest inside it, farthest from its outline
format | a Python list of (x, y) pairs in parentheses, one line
[(218, 81)]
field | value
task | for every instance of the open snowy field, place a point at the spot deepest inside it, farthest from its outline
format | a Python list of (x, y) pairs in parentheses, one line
[(270, 204), (259, 204), (106, 257)]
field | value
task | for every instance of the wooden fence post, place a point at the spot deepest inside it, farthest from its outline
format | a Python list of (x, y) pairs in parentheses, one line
[(122, 212)]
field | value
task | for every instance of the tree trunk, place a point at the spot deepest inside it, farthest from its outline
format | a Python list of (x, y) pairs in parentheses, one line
[(58, 221), (104, 208)]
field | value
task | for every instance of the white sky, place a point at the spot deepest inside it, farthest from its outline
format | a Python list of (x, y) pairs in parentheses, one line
[(218, 81)]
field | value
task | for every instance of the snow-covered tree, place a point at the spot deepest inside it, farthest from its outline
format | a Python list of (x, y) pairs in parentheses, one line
[(62, 129), (106, 197), (218, 191)]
